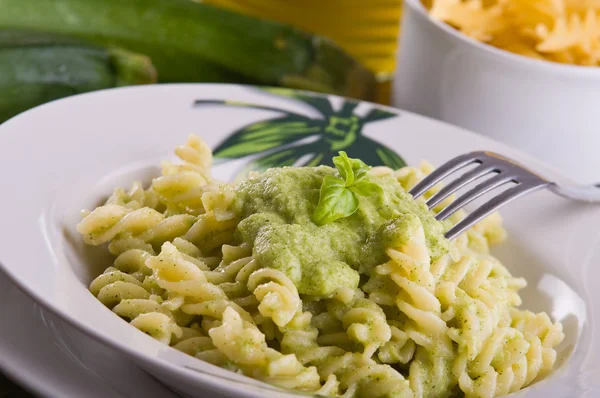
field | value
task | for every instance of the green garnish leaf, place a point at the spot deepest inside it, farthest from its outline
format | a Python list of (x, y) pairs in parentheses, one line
[(337, 198), (344, 167), (360, 169), (366, 188), (335, 201), (351, 170)]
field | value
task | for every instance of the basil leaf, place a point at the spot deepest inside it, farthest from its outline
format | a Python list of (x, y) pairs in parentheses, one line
[(344, 167), (360, 169), (351, 170), (337, 198), (366, 188), (335, 201)]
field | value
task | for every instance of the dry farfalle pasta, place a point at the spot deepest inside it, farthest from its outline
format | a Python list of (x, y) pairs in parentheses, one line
[(565, 31)]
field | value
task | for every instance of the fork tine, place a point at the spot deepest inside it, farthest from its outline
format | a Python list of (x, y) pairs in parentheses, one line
[(460, 182), (473, 194), (492, 205), (443, 171)]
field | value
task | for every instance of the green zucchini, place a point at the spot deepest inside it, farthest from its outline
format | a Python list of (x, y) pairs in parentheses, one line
[(190, 41), (37, 67)]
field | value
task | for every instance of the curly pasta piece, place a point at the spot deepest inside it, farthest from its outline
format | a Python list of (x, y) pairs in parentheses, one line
[(227, 273), (196, 156), (363, 377), (238, 289), (430, 370), (213, 229), (300, 338), (219, 202), (187, 287), (144, 229), (181, 192), (182, 185), (152, 239), (132, 308), (245, 345), (170, 267), (366, 324), (491, 229), (381, 290), (136, 198), (475, 294), (543, 336), (195, 343), (110, 276), (409, 268), (277, 295), (133, 262), (399, 349), (500, 367), (128, 298), (363, 321), (105, 222), (157, 325), (115, 292)]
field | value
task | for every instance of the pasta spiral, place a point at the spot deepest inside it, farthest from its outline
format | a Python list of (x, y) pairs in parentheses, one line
[(409, 269), (363, 321), (182, 185), (136, 198), (129, 299), (277, 295), (244, 344), (362, 377), (399, 349), (216, 226), (106, 222), (157, 325), (187, 286)]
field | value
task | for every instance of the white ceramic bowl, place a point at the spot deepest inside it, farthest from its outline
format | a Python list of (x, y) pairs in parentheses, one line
[(547, 109), (69, 154)]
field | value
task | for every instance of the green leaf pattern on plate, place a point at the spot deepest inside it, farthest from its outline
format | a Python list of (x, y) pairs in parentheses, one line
[(295, 139)]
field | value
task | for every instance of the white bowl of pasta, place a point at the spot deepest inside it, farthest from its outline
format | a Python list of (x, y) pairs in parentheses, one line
[(518, 87), (212, 280)]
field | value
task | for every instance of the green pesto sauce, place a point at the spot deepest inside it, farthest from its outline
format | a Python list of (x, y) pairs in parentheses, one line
[(276, 207)]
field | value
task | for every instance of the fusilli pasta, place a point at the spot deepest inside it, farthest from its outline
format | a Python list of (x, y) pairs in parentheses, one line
[(416, 326)]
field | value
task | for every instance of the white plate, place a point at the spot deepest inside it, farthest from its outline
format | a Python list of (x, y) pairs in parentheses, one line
[(53, 359), (67, 155)]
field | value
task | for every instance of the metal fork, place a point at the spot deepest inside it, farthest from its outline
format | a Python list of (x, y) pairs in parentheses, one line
[(506, 171)]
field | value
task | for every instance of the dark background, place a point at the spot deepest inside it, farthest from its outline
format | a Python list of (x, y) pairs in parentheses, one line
[(8, 389)]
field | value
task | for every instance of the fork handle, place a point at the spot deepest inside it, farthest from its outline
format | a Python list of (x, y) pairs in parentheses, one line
[(584, 193)]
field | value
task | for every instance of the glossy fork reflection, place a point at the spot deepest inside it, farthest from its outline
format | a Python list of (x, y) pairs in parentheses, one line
[(501, 171)]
